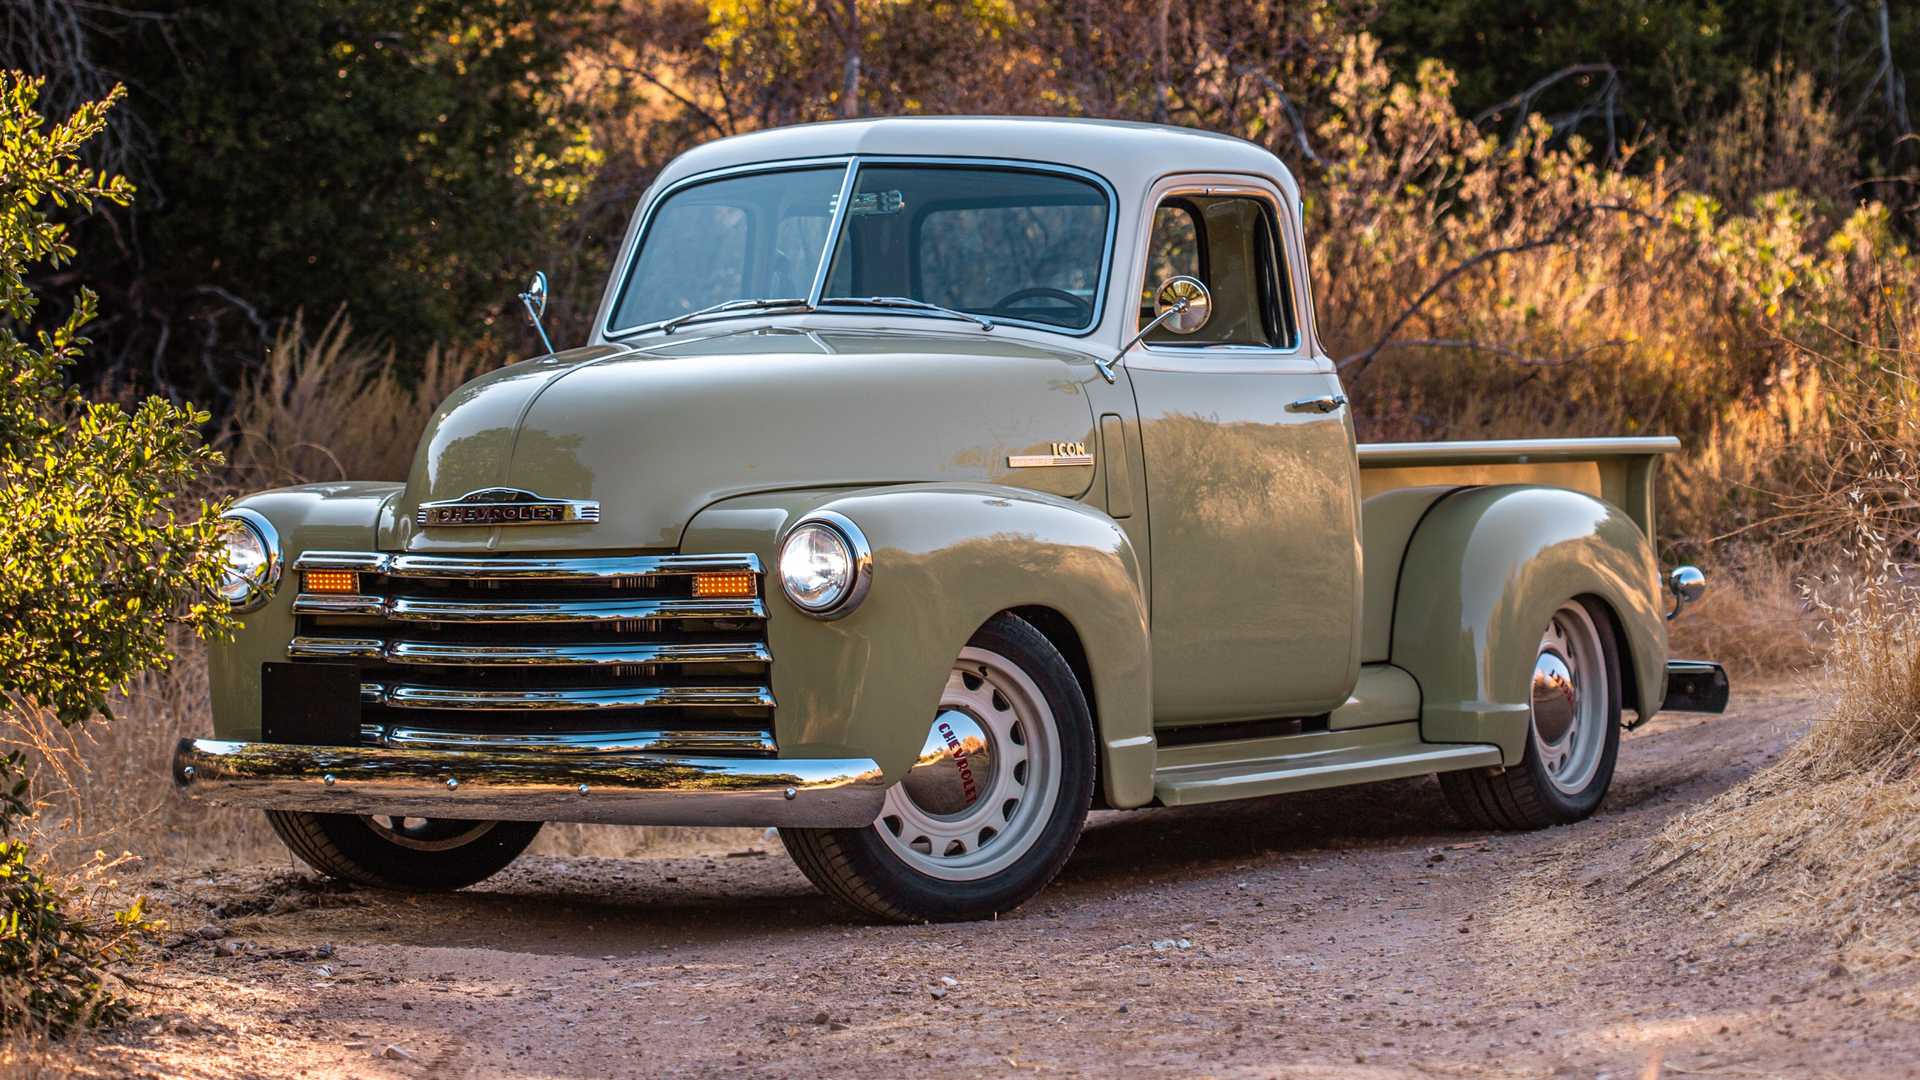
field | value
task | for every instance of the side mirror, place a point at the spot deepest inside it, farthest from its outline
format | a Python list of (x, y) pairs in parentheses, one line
[(535, 301), (1182, 306), (1687, 584)]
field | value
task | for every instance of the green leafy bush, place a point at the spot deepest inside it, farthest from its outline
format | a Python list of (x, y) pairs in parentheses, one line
[(99, 548)]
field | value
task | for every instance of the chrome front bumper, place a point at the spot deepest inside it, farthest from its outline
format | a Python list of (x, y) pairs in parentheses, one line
[(631, 789)]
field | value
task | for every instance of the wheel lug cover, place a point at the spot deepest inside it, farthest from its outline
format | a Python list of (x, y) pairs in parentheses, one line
[(955, 766)]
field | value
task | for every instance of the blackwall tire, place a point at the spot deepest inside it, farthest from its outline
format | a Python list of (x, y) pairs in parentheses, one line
[(411, 854), (996, 804), (1573, 736)]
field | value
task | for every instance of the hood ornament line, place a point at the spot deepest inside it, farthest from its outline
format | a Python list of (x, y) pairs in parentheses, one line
[(488, 507)]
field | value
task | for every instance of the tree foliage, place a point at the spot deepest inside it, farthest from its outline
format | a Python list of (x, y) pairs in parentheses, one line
[(99, 548), (402, 160)]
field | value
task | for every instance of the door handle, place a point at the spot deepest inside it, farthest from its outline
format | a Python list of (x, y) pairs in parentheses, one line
[(1330, 403)]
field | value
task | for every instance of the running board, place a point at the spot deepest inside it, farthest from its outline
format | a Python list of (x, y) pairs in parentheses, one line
[(1258, 767)]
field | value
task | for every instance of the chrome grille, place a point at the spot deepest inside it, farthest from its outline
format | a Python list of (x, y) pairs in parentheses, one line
[(567, 653)]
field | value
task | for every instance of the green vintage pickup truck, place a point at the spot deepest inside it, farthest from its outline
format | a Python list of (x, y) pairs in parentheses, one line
[(926, 484)]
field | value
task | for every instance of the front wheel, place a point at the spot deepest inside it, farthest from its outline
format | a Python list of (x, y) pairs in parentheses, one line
[(995, 803), (1573, 734), (422, 854)]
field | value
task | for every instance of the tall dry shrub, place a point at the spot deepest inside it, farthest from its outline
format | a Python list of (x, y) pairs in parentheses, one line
[(327, 407)]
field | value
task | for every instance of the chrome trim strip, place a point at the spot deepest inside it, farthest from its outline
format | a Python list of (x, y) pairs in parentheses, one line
[(365, 562), (586, 655), (618, 789), (419, 609), (832, 242), (513, 568), (1043, 461), (577, 742), (510, 568), (323, 648), (1516, 451), (578, 699), (338, 604), (429, 653)]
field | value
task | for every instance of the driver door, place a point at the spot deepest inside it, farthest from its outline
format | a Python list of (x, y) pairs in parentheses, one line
[(1250, 472)]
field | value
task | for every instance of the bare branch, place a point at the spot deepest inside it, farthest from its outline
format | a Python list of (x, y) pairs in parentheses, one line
[(1294, 118), (1549, 238), (1515, 355)]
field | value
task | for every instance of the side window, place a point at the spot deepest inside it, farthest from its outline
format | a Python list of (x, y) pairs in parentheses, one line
[(1232, 244)]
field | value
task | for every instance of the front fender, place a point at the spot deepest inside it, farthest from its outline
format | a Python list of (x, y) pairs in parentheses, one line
[(344, 516), (1480, 580), (946, 559)]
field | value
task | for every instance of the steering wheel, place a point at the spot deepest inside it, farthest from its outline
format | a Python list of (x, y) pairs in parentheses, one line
[(1036, 292)]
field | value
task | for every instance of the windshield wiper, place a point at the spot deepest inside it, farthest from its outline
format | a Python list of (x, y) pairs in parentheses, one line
[(734, 305), (909, 303)]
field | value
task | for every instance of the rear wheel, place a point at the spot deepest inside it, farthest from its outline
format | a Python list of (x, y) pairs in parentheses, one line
[(427, 854), (994, 805), (1573, 735)]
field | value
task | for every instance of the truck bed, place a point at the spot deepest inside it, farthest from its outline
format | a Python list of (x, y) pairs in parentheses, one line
[(1619, 471)]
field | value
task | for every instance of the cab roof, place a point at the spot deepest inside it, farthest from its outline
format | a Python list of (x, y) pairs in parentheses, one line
[(1129, 155)]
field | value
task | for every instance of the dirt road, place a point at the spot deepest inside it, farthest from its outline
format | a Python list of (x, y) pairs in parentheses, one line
[(1356, 933)]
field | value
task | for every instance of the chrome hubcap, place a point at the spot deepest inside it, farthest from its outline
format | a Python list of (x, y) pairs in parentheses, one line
[(987, 777), (428, 834), (1570, 690)]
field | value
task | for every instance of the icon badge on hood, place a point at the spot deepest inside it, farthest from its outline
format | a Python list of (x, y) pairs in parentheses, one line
[(507, 506)]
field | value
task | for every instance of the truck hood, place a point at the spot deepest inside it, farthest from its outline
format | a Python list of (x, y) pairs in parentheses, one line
[(656, 432)]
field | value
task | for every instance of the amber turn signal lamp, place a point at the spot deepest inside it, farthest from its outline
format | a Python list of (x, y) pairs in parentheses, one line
[(729, 583), (329, 581)]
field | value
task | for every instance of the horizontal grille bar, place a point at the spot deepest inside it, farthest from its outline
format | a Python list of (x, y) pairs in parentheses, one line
[(422, 609), (510, 568), (580, 699), (574, 742), (483, 655)]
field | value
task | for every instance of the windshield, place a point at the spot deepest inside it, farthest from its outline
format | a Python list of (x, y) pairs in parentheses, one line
[(754, 237), (1004, 243)]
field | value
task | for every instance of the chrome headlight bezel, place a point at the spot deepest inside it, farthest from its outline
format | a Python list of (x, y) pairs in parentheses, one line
[(260, 585), (859, 558)]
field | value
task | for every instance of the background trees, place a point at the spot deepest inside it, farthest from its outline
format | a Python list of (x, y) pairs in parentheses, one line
[(413, 161)]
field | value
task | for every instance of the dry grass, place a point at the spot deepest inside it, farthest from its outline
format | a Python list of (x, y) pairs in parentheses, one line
[(1829, 838), (329, 408), (1756, 618)]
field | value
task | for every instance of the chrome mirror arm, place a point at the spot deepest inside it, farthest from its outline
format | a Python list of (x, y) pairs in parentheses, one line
[(1106, 366), (535, 301)]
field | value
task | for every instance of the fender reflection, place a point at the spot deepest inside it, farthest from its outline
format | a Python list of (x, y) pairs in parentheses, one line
[(622, 789)]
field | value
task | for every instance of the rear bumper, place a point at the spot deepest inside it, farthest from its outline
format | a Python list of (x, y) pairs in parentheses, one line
[(1696, 686), (626, 789)]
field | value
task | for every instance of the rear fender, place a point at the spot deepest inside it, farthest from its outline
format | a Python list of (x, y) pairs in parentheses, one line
[(946, 558), (1481, 578)]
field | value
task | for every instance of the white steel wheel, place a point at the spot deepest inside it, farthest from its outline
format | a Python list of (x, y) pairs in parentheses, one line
[(986, 780), (993, 803), (1571, 710), (1573, 731)]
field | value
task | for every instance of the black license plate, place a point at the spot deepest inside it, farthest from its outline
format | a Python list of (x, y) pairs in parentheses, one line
[(310, 704)]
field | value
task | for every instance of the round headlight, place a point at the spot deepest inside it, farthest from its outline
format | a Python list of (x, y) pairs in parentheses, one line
[(824, 566), (252, 559)]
